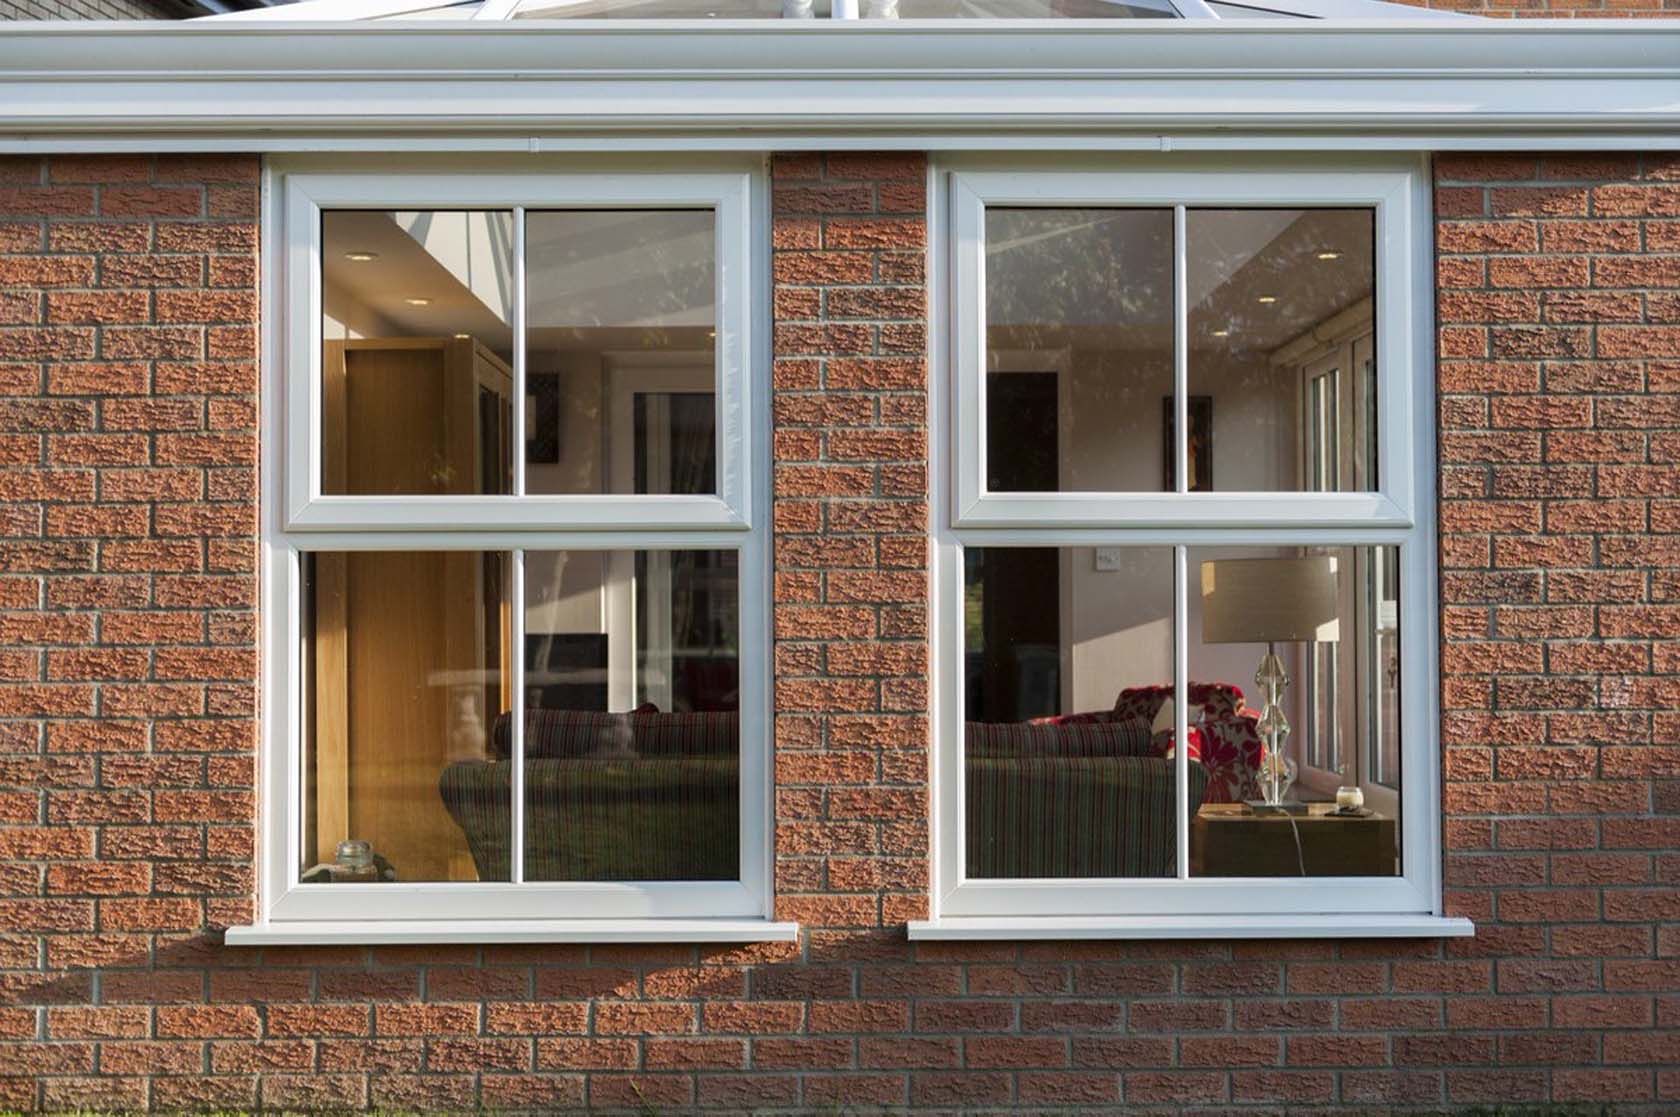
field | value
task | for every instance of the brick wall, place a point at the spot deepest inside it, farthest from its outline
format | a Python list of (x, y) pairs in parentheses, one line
[(126, 638), (127, 591), (1560, 394)]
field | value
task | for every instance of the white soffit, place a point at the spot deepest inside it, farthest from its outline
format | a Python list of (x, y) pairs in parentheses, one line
[(532, 85)]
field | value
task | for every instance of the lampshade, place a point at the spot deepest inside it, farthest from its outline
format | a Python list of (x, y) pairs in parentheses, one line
[(1265, 600)]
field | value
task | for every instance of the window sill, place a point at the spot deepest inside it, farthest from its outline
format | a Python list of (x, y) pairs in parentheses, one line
[(1193, 927), (393, 931)]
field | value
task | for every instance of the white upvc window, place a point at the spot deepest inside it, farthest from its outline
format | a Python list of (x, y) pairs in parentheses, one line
[(1186, 496), (515, 552)]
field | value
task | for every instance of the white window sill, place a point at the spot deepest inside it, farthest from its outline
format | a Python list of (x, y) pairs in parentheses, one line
[(394, 931), (1193, 927)]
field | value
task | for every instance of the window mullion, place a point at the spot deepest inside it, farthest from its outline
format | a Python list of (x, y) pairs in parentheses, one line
[(516, 738), (516, 435), (1181, 354), (1181, 717)]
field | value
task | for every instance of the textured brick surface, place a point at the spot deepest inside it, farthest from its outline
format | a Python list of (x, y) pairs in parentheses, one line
[(850, 475), (126, 642), (1560, 394)]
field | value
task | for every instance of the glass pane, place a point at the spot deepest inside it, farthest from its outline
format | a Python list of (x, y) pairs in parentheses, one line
[(1079, 349), (1277, 297), (416, 355), (632, 742), (671, 9), (405, 655), (1239, 11), (1067, 705), (1021, 9), (1290, 667), (620, 378)]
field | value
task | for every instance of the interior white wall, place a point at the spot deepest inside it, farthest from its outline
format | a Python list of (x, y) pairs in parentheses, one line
[(1118, 623), (345, 318)]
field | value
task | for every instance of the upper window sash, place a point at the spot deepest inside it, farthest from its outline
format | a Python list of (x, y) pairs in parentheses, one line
[(1401, 268), (729, 195)]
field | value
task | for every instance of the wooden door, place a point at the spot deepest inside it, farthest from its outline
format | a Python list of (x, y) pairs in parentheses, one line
[(409, 646)]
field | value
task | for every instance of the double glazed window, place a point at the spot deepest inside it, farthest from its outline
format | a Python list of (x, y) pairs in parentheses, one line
[(1183, 576), (520, 657)]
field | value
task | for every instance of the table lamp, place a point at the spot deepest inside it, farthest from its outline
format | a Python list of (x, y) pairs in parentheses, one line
[(1270, 601)]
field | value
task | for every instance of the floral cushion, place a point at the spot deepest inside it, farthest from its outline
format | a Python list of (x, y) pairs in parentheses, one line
[(1222, 735)]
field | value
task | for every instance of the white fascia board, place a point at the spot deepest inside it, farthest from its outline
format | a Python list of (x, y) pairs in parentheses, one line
[(1183, 83)]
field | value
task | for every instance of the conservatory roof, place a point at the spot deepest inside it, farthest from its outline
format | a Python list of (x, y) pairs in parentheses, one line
[(491, 10)]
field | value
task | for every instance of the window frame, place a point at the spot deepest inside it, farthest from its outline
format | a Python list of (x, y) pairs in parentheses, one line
[(297, 520), (1388, 189), (728, 194), (1401, 513)]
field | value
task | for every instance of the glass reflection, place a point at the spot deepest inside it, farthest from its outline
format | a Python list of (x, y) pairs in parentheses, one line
[(406, 655), (1068, 768), (1296, 650)]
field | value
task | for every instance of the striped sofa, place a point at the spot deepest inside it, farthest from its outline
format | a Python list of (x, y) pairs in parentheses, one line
[(608, 797), (1071, 798)]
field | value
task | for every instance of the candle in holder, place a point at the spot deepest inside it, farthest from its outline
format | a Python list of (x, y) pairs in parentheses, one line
[(1349, 798)]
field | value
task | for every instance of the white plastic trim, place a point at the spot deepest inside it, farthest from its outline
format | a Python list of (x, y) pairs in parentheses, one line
[(518, 86), (420, 932), (1402, 516), (533, 911), (1388, 187), (307, 194), (1194, 927)]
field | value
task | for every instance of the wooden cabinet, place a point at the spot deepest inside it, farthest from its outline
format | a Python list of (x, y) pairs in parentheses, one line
[(409, 647), (1227, 840)]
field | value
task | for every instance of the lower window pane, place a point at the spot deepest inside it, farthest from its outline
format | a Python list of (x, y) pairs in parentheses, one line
[(632, 741), (405, 655), (1294, 695), (1068, 712)]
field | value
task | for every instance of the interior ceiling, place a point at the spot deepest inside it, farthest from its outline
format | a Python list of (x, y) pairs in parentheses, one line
[(1087, 278), (1103, 278), (597, 279)]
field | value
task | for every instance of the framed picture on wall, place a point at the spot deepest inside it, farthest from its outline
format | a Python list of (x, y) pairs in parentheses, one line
[(1199, 451)]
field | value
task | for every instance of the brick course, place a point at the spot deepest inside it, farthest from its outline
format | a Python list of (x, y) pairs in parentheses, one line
[(127, 489)]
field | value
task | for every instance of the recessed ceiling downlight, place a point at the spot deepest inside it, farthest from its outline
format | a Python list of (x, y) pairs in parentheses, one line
[(361, 257), (418, 300)]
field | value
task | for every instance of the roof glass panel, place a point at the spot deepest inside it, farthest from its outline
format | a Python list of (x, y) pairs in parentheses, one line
[(1029, 9), (1238, 11), (672, 9), (865, 9), (441, 11)]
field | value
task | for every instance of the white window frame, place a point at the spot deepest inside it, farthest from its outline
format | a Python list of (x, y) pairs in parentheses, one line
[(1400, 513), (298, 520), (1391, 192), (307, 196)]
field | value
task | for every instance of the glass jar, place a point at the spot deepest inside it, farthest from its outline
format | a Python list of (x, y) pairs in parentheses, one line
[(354, 863)]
